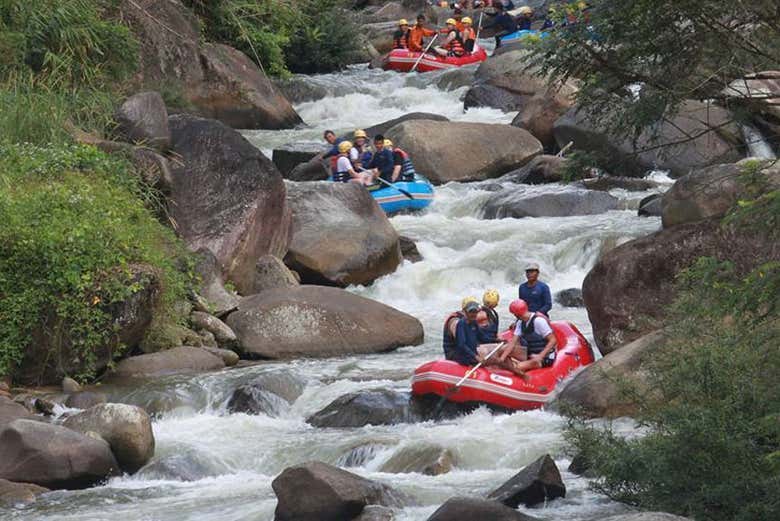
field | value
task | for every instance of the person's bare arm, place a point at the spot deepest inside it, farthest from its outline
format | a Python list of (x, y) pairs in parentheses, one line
[(396, 173), (552, 343), (508, 348)]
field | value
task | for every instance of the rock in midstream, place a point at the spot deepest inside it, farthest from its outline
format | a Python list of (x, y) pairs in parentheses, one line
[(538, 482)]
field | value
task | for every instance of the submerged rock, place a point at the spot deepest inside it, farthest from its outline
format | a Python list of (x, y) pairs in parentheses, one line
[(409, 249), (465, 508), (185, 464), (85, 399), (424, 458), (12, 494), (570, 298), (536, 483), (53, 456), (646, 516), (316, 491), (126, 428), (651, 206), (375, 407), (319, 321)]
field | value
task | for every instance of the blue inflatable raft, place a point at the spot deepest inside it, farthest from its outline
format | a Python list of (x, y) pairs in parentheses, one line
[(519, 35), (392, 200)]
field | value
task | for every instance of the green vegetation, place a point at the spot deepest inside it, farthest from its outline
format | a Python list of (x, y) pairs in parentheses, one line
[(711, 448), (637, 60), (73, 223), (281, 35)]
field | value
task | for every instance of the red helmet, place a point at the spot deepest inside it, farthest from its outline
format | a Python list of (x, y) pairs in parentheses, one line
[(518, 308)]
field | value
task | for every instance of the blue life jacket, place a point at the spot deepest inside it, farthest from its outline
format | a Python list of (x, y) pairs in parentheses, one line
[(447, 340), (533, 340), (383, 161), (491, 330)]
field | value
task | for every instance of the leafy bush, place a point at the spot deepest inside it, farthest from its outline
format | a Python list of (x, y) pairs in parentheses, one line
[(73, 221), (64, 43)]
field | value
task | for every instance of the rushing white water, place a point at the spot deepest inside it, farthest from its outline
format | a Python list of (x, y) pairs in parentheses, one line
[(232, 458)]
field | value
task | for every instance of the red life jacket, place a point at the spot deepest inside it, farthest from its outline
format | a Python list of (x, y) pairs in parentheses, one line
[(455, 47)]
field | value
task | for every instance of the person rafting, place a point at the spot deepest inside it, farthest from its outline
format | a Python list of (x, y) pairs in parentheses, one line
[(360, 155), (488, 317), (403, 169), (535, 292), (453, 45), (418, 33), (503, 21), (468, 35), (345, 171), (333, 152), (462, 335), (533, 344), (401, 36), (381, 163), (525, 19), (457, 15)]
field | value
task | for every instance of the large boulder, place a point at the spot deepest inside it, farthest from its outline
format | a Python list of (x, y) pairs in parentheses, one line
[(12, 494), (541, 170), (385, 126), (170, 361), (701, 134), (507, 82), (759, 94), (374, 407), (313, 170), (143, 119), (380, 35), (51, 355), (629, 289), (227, 197), (711, 192), (10, 411), (319, 321), (536, 483), (463, 508), (126, 428), (518, 203), (340, 235), (598, 390), (316, 491), (236, 92), (290, 155), (53, 456), (456, 151)]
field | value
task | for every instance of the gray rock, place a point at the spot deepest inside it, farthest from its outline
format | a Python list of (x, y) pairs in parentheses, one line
[(12, 494), (183, 465), (651, 206), (425, 458), (542, 169), (85, 400), (314, 170), (227, 197), (253, 399), (69, 385), (283, 383), (126, 428), (385, 126), (290, 155), (340, 235), (454, 79), (221, 331), (409, 249), (646, 516), (375, 407), (516, 203), (536, 483), (154, 169), (316, 491), (170, 361), (609, 182), (570, 298), (52, 456), (10, 411), (462, 509), (375, 513), (218, 299), (143, 119), (598, 389), (270, 273), (230, 358)]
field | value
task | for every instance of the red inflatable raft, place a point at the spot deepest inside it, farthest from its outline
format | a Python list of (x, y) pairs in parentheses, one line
[(501, 387), (402, 60)]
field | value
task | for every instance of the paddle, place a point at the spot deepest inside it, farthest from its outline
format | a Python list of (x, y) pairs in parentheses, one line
[(453, 390), (479, 27), (391, 185), (423, 53)]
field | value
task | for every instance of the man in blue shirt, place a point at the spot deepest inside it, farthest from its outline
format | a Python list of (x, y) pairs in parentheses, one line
[(462, 338), (503, 21), (535, 292), (383, 162)]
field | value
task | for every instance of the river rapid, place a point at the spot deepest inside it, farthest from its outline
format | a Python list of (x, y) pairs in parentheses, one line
[(231, 459)]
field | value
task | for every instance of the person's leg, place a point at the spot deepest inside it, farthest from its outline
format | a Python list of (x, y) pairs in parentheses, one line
[(485, 349), (440, 51)]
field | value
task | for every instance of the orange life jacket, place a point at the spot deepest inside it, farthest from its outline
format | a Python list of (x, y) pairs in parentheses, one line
[(455, 47), (401, 39), (469, 38), (416, 35)]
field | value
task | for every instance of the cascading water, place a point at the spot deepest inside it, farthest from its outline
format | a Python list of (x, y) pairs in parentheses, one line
[(212, 465)]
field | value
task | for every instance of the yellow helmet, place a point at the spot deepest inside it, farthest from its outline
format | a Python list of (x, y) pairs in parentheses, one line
[(466, 302), (451, 21), (360, 133), (490, 298), (388, 143), (402, 21), (345, 146), (525, 10), (467, 20)]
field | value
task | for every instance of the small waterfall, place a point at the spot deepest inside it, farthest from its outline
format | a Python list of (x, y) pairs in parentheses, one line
[(757, 144)]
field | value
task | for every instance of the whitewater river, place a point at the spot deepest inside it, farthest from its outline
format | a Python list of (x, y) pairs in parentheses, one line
[(232, 458)]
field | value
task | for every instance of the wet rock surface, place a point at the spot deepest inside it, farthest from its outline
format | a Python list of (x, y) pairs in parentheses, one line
[(171, 361), (516, 203), (462, 508), (536, 483)]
